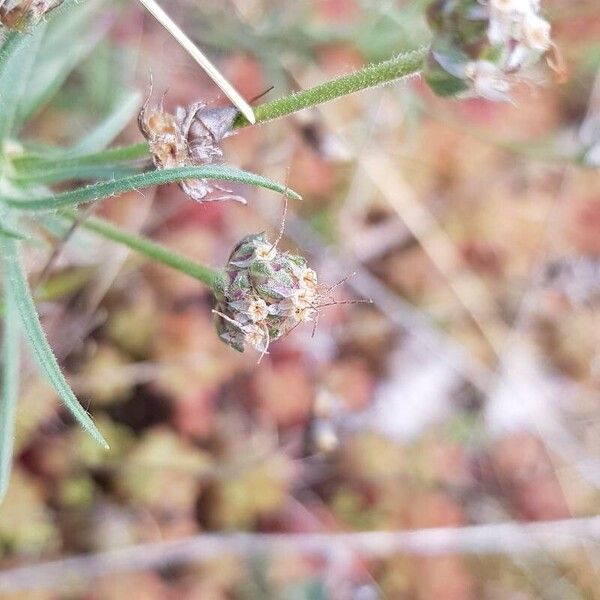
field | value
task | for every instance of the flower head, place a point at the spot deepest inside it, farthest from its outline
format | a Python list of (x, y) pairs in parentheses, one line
[(190, 137), (489, 81), (482, 48), (263, 294)]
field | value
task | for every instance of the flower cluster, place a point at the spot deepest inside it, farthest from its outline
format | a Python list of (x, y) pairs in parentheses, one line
[(20, 14), (263, 294), (189, 138), (481, 47)]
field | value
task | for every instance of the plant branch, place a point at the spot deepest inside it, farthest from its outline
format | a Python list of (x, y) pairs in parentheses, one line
[(371, 76), (32, 168), (148, 248)]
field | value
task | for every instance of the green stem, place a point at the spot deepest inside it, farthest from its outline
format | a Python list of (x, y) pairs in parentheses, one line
[(31, 167), (369, 77), (148, 248)]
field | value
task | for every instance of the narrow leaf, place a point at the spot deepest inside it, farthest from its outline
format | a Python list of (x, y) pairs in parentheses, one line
[(62, 165), (10, 387), (153, 250), (15, 69), (17, 286), (125, 108), (72, 34), (71, 171), (106, 189)]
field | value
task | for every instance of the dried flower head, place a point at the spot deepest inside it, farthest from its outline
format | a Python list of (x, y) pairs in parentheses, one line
[(188, 138), (481, 48), (20, 14), (264, 293)]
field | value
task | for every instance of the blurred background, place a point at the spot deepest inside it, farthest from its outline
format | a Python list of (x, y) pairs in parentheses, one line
[(466, 397)]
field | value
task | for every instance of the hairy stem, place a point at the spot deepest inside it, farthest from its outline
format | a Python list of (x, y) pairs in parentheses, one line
[(371, 76), (152, 250), (32, 167)]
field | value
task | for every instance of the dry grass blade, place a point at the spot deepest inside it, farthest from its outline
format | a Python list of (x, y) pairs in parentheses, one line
[(165, 20)]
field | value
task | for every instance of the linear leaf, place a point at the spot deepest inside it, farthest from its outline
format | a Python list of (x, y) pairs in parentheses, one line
[(153, 250), (105, 189), (10, 387), (17, 286), (14, 73), (11, 233), (72, 34), (69, 171), (126, 106), (63, 166)]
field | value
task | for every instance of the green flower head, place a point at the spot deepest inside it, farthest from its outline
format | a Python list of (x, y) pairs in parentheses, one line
[(263, 294)]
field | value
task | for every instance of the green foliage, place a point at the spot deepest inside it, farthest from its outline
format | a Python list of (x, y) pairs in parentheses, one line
[(374, 75), (148, 248), (35, 67), (106, 189), (18, 293)]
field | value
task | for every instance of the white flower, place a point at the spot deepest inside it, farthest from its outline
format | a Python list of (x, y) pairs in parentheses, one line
[(489, 81), (499, 29), (308, 278), (258, 310), (264, 251), (256, 337), (536, 33), (505, 6), (515, 7)]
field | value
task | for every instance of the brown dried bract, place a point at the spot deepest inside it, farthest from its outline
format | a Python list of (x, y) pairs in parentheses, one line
[(188, 138), (19, 14)]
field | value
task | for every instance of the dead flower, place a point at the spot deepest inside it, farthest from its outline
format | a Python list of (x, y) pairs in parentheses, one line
[(20, 14), (189, 138)]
